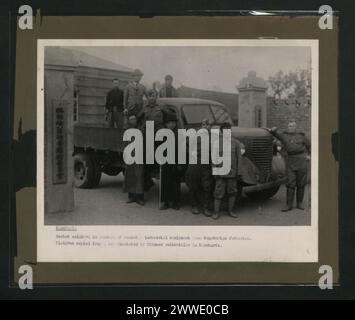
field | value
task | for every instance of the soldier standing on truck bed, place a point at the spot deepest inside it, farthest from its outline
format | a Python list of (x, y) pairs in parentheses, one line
[(168, 90), (298, 149), (114, 106), (151, 112), (133, 95)]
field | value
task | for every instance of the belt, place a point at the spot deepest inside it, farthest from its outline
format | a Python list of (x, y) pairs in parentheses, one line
[(295, 153), (119, 108)]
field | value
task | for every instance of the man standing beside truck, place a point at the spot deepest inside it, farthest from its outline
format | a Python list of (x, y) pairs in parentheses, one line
[(226, 184), (114, 106), (298, 149), (199, 178), (152, 111), (134, 175)]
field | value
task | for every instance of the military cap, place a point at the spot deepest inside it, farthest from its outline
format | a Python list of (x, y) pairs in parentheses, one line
[(225, 125), (169, 116), (150, 92)]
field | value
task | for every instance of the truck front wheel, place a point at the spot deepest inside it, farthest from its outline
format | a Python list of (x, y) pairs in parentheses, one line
[(84, 171), (263, 195)]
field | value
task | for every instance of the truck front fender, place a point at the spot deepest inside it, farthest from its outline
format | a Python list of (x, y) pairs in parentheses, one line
[(248, 172)]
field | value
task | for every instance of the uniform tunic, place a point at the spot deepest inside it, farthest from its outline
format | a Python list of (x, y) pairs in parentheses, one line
[(134, 179), (227, 183), (114, 105), (114, 98), (199, 179), (152, 113), (171, 179), (168, 92), (133, 98), (297, 147)]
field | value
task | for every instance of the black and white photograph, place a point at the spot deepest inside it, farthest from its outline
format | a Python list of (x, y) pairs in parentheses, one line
[(92, 93)]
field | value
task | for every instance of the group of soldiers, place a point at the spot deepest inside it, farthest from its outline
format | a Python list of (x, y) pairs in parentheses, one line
[(125, 109), (121, 104)]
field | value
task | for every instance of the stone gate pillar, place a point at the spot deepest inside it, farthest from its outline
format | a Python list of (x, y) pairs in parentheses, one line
[(252, 98)]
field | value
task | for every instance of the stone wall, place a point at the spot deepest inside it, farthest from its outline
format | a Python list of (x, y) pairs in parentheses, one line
[(279, 112)]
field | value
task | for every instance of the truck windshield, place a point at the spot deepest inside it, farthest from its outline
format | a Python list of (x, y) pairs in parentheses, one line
[(221, 115), (195, 113)]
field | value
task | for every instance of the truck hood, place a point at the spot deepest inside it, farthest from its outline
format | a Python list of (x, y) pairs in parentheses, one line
[(239, 132)]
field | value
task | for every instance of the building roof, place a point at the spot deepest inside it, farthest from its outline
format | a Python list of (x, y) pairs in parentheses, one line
[(75, 58)]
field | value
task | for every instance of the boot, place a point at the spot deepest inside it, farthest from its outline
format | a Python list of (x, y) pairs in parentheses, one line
[(207, 212), (217, 208), (140, 200), (300, 195), (131, 198), (195, 210), (289, 200), (176, 205), (231, 203), (164, 206)]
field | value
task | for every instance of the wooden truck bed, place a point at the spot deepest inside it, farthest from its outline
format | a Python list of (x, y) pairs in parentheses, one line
[(98, 138)]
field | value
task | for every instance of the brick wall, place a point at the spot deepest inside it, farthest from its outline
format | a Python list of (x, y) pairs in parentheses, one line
[(281, 111)]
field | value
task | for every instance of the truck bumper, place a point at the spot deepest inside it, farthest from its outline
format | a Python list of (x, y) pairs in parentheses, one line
[(264, 186)]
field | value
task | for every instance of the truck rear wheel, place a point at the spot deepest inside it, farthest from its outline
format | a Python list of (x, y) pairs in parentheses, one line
[(112, 171), (84, 171), (263, 195), (97, 173)]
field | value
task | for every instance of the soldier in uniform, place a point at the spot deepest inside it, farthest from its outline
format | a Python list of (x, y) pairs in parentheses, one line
[(151, 112), (133, 95), (134, 175), (298, 149), (114, 106), (168, 90), (170, 172), (227, 184), (199, 179)]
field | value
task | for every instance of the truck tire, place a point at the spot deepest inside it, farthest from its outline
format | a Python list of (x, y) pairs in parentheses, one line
[(263, 195), (84, 171), (112, 171)]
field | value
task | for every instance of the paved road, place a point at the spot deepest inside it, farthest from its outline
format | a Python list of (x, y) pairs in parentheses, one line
[(106, 205)]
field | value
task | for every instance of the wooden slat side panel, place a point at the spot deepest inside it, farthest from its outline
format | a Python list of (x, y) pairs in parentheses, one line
[(92, 101), (99, 138), (99, 110), (92, 119), (92, 91)]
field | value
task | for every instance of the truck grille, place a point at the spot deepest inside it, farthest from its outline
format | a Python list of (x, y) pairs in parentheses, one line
[(259, 150)]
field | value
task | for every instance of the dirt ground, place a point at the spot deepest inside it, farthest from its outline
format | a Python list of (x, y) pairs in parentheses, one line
[(106, 205)]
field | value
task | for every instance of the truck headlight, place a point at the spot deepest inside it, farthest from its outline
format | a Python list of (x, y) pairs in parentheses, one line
[(279, 148), (242, 151)]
